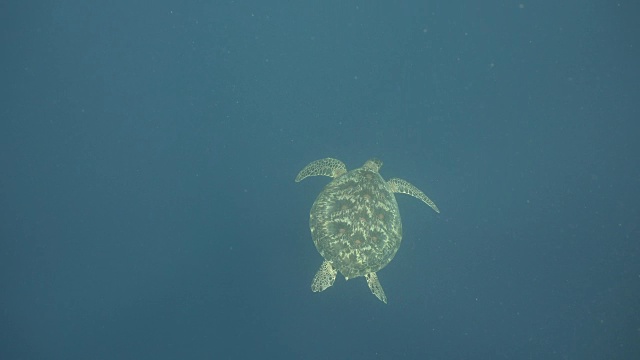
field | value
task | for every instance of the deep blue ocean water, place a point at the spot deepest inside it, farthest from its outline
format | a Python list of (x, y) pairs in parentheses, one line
[(148, 155)]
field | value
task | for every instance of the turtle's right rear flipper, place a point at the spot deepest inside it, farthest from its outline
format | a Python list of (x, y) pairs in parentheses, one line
[(376, 288)]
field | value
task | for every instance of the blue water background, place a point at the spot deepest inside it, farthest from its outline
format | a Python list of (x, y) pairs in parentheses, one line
[(148, 152)]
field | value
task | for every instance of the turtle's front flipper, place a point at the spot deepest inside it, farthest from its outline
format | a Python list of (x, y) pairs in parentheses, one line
[(324, 277), (376, 288), (326, 167), (402, 186)]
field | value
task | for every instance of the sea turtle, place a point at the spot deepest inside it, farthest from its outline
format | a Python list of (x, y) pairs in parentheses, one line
[(355, 223)]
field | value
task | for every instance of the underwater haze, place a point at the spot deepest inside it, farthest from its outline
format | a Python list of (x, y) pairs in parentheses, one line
[(148, 151)]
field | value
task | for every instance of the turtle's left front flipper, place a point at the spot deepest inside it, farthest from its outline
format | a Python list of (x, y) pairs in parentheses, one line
[(404, 187), (323, 167)]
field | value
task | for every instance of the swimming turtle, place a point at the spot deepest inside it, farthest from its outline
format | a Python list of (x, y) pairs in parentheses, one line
[(355, 223)]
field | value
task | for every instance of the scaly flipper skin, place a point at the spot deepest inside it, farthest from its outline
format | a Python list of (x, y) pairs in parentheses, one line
[(376, 288), (404, 187), (324, 278), (326, 167)]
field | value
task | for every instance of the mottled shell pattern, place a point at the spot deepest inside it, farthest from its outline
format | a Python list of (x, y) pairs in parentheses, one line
[(355, 222)]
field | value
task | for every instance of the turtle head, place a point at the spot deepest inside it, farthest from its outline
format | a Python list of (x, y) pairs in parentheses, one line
[(373, 164)]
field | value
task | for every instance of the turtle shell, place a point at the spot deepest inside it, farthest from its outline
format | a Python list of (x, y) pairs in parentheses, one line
[(355, 223)]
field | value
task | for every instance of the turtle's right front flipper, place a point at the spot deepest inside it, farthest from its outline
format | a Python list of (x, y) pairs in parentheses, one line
[(326, 167), (404, 187)]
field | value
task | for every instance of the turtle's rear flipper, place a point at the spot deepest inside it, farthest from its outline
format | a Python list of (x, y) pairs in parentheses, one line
[(324, 277), (376, 288)]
